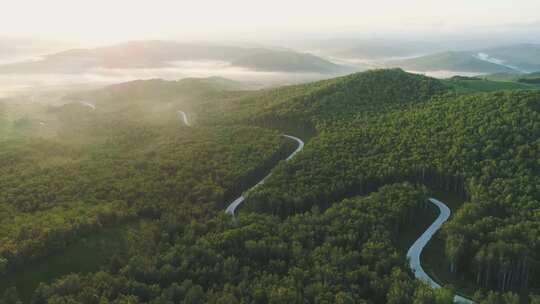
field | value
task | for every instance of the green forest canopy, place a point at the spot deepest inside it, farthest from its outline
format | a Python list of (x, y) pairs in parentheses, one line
[(323, 227)]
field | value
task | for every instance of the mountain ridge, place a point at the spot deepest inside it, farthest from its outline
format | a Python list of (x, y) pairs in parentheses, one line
[(164, 54), (518, 58)]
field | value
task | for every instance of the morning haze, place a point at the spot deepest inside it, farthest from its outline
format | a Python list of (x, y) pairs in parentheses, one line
[(270, 152)]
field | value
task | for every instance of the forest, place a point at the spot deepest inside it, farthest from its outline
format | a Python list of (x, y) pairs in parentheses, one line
[(345, 254), (483, 147), (54, 193), (326, 227), (57, 189)]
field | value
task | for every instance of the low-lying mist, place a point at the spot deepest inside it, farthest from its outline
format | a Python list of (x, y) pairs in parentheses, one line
[(13, 84)]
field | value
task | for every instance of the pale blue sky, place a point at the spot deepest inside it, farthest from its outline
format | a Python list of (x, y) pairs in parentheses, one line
[(205, 19)]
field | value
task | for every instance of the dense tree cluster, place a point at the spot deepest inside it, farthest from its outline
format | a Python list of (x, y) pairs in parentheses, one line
[(483, 147), (332, 99), (345, 254), (55, 190), (324, 228)]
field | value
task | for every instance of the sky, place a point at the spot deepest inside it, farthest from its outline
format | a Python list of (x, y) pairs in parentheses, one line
[(115, 20)]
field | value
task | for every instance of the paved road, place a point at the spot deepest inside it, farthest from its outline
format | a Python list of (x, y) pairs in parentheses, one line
[(184, 117), (413, 255), (232, 207), (300, 146), (87, 104)]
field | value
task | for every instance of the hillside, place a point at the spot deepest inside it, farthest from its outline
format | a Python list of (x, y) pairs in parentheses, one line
[(322, 101), (362, 92), (165, 54), (161, 90), (153, 101)]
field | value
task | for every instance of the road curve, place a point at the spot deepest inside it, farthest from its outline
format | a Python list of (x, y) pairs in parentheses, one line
[(88, 104), (300, 146), (413, 255), (184, 117), (232, 206)]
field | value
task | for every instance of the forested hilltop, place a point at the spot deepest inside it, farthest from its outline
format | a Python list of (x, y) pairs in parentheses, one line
[(330, 226)]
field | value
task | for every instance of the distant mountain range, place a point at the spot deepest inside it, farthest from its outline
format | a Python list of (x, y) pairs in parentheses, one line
[(12, 49), (167, 55), (377, 49), (164, 54), (521, 58)]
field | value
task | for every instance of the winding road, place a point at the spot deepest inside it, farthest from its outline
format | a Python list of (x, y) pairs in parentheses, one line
[(87, 104), (413, 255), (232, 206), (184, 117)]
